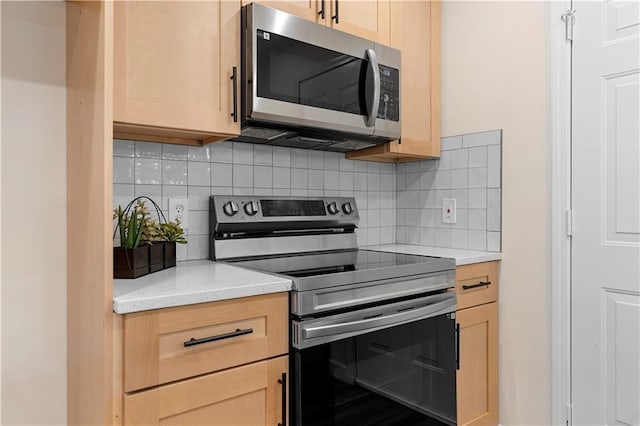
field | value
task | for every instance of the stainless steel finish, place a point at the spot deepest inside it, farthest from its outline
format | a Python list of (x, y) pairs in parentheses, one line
[(347, 208), (340, 219), (333, 208), (375, 102), (230, 208), (277, 112), (233, 248), (308, 333), (332, 298), (251, 208)]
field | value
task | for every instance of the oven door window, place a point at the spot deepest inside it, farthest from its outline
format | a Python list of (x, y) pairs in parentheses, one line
[(296, 72), (404, 376)]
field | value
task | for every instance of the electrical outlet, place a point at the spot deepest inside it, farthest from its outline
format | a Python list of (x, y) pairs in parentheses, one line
[(179, 211), (448, 210)]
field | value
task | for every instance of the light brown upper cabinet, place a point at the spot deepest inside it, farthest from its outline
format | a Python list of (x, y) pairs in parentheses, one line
[(363, 18), (415, 30), (173, 68)]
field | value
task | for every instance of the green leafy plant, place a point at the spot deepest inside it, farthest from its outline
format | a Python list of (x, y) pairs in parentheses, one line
[(130, 223), (172, 232)]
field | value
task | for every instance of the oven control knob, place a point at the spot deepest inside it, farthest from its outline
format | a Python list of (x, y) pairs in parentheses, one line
[(251, 208), (230, 208), (347, 208), (333, 208)]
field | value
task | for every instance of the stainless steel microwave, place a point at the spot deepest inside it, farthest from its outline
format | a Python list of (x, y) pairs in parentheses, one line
[(310, 86)]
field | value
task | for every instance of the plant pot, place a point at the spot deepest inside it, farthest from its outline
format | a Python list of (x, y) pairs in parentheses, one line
[(169, 254), (156, 257), (130, 263)]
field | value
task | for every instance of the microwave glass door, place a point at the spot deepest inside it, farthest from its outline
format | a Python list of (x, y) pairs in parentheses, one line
[(400, 376), (292, 71)]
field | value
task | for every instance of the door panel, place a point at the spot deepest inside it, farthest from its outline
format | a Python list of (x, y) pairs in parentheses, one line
[(307, 9), (366, 19), (605, 376)]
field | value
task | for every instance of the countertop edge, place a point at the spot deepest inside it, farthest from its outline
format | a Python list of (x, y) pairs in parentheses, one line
[(462, 257)]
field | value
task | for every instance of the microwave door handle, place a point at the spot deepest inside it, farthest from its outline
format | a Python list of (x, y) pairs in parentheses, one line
[(398, 318), (375, 102)]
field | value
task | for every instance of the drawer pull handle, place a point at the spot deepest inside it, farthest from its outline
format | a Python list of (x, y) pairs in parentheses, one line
[(236, 333), (283, 382), (480, 284)]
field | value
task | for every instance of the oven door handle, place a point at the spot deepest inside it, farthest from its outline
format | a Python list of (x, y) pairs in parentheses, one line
[(403, 316)]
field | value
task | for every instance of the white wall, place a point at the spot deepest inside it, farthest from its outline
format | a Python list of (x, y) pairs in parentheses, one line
[(33, 223), (494, 75)]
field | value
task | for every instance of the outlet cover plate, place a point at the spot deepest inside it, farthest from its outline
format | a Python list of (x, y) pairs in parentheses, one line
[(448, 210), (179, 211)]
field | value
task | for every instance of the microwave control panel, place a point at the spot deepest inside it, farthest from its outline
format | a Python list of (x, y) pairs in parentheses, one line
[(389, 108)]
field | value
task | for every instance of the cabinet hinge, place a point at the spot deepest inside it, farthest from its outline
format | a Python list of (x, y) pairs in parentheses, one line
[(569, 19), (569, 223), (569, 414)]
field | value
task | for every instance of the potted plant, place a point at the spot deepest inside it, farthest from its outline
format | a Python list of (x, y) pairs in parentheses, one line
[(130, 259), (172, 234)]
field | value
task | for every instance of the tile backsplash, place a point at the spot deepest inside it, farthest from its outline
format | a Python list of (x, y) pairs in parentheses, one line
[(163, 171), (469, 170), (397, 203)]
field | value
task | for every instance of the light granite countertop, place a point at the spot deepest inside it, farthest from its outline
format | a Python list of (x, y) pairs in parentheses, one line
[(462, 257), (195, 281)]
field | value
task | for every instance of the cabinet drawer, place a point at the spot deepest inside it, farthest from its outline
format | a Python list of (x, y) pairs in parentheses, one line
[(170, 344), (249, 395), (476, 284)]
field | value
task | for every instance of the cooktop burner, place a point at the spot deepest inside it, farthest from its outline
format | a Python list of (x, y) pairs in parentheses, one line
[(326, 269)]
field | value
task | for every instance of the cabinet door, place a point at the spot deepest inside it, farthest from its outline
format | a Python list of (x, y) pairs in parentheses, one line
[(363, 18), (249, 396), (173, 63), (307, 9), (477, 381), (415, 30)]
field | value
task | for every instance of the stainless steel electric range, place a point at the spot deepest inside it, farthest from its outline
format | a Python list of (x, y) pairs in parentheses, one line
[(373, 334)]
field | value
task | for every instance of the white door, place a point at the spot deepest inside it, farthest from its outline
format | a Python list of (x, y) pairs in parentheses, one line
[(606, 202)]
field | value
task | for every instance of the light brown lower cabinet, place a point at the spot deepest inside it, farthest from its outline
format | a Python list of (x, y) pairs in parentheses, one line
[(248, 395), (477, 377)]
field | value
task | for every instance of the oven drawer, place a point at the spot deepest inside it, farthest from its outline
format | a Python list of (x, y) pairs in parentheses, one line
[(166, 345), (477, 284)]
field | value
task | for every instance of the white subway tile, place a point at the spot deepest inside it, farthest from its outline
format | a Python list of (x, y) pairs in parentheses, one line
[(364, 215), (373, 218), (281, 178), (332, 160), (459, 239), (373, 167), (460, 179), (361, 235), (477, 219), (331, 180), (304, 192), (413, 217), (387, 235), (242, 176), (299, 159), (373, 200), (427, 236), (299, 178), (346, 181), (413, 181), (242, 153), (387, 217), (373, 181), (123, 148), (373, 236), (152, 191), (443, 179), (401, 217), (493, 241), (443, 238), (413, 200), (477, 239), (199, 153), (413, 235), (199, 174), (221, 174), (441, 194), (493, 210), (478, 177), (123, 170), (360, 166), (148, 171), (401, 235), (460, 159), (452, 142), (316, 179), (242, 191), (444, 163), (387, 168), (478, 198), (430, 201), (198, 222), (262, 177), (174, 173), (481, 139), (148, 150), (221, 152), (281, 192), (182, 251), (427, 218), (198, 247), (218, 190), (462, 218), (462, 198), (346, 193), (345, 164), (122, 194), (387, 183), (494, 167), (281, 156), (361, 199), (262, 155), (174, 152), (413, 167), (315, 160), (198, 197), (428, 181), (262, 191), (360, 181), (478, 157), (173, 191)]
